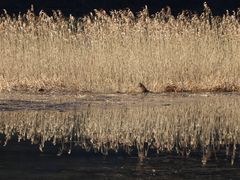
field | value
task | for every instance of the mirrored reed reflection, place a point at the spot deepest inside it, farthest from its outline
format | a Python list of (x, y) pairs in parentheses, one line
[(208, 125)]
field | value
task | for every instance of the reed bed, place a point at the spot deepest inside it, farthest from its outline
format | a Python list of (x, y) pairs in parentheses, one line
[(115, 52), (208, 127)]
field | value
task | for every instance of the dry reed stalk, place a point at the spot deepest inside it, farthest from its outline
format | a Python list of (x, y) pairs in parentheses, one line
[(113, 53)]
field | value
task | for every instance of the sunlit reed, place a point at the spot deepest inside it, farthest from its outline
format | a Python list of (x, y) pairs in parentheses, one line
[(117, 51)]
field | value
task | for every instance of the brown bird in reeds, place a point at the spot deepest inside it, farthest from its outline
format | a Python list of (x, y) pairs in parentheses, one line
[(143, 88)]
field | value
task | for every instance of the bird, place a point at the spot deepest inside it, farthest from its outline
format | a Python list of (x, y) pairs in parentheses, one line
[(143, 88)]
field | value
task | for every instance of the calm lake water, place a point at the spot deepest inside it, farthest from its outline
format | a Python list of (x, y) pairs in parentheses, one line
[(22, 165), (158, 136)]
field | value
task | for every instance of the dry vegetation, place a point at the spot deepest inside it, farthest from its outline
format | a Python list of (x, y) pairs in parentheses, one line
[(114, 53), (208, 126)]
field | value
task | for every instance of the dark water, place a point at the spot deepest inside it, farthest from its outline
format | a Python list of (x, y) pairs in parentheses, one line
[(24, 117), (24, 161), (22, 165)]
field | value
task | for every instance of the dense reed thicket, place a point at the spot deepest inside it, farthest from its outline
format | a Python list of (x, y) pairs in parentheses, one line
[(114, 52)]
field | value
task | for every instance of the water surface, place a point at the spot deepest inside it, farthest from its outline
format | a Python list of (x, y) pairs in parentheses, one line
[(152, 136)]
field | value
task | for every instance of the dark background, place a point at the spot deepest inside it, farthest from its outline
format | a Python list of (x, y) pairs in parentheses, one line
[(83, 7)]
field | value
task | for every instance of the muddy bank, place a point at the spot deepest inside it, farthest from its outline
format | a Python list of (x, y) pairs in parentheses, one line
[(66, 101)]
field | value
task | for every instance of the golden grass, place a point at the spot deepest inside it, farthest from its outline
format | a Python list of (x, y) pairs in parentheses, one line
[(116, 52), (208, 124)]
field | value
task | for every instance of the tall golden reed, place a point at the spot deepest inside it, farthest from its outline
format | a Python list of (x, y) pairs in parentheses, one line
[(114, 52)]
